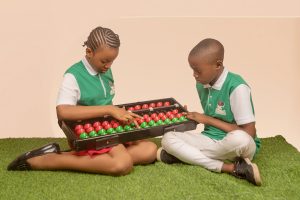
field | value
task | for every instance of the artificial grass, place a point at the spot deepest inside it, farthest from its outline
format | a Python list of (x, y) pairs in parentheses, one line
[(279, 164)]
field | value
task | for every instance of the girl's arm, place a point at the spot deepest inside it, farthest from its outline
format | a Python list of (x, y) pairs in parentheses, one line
[(71, 112)]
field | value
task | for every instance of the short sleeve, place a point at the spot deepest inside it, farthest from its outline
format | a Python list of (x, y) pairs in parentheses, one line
[(69, 92), (241, 106)]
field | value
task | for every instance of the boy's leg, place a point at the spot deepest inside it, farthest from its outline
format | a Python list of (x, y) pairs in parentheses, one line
[(187, 146), (203, 151), (240, 147), (116, 162), (142, 152), (235, 144)]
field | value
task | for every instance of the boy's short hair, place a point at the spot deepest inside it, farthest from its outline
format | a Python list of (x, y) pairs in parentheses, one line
[(209, 47)]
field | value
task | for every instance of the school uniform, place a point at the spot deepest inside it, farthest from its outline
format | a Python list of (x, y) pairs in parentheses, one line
[(229, 100)]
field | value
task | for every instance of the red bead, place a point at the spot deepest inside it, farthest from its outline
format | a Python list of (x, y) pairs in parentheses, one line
[(141, 120), (137, 107), (156, 118), (152, 105), (115, 125), (163, 118), (77, 127), (148, 119), (167, 103), (178, 115), (86, 126), (113, 122), (171, 116), (130, 109), (169, 113), (160, 114), (79, 131), (98, 128), (108, 126), (153, 115), (145, 116), (159, 104), (89, 129), (145, 106), (175, 111), (95, 124), (105, 123)]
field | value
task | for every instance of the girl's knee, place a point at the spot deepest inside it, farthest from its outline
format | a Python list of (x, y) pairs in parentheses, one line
[(121, 167), (150, 151)]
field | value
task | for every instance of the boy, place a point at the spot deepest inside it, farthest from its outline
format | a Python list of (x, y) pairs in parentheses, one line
[(229, 132)]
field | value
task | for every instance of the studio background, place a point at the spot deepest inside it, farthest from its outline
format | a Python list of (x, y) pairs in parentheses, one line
[(39, 41)]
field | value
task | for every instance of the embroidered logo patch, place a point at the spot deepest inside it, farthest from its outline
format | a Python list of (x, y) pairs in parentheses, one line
[(112, 88), (220, 108)]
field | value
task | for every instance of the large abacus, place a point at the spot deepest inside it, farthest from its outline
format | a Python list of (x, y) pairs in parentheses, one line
[(159, 116)]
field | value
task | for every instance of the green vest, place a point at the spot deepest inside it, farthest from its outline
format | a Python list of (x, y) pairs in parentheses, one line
[(94, 89), (216, 103)]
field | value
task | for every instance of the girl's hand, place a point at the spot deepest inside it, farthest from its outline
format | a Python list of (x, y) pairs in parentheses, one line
[(124, 116)]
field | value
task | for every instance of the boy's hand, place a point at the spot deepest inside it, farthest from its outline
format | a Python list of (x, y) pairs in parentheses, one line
[(198, 117), (124, 116)]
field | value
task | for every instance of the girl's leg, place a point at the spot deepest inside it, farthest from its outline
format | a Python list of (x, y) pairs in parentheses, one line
[(116, 162), (142, 152)]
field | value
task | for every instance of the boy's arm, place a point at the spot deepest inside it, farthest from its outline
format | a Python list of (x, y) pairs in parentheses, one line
[(227, 127)]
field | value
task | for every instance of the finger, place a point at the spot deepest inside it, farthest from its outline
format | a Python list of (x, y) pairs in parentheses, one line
[(135, 115), (136, 124), (185, 107), (184, 113)]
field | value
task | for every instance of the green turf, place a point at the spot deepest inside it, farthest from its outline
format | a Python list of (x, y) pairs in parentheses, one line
[(279, 164)]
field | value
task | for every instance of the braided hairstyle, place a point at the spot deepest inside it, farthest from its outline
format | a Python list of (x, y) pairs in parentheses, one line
[(101, 36)]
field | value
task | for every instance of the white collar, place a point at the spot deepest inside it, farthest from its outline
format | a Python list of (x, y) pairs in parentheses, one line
[(88, 67), (219, 83)]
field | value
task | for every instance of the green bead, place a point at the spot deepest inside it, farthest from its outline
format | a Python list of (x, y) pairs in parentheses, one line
[(127, 128), (159, 122), (151, 123), (102, 132), (175, 119), (132, 125), (110, 131), (143, 125), (119, 129), (182, 118), (93, 134), (168, 121), (83, 135)]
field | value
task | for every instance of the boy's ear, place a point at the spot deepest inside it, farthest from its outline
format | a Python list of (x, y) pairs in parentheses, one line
[(89, 52), (219, 64)]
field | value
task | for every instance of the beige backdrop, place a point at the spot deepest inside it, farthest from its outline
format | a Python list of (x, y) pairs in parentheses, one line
[(40, 41)]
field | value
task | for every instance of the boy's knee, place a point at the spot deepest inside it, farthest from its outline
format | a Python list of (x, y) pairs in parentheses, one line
[(167, 138), (240, 138)]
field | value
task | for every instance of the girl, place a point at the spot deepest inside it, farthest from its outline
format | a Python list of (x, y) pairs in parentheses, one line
[(87, 91)]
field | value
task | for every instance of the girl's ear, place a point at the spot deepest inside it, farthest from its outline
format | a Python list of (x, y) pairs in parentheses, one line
[(89, 52)]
